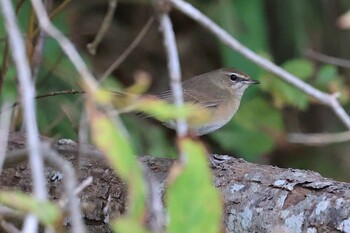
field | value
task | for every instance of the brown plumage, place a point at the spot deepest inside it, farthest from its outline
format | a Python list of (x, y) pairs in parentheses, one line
[(220, 91)]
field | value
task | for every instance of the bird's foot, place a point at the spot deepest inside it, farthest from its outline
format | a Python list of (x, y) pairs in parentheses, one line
[(218, 161)]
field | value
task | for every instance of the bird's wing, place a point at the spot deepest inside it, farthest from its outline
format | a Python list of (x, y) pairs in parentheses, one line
[(191, 98)]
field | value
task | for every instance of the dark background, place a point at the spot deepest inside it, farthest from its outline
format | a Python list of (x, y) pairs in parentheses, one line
[(280, 30)]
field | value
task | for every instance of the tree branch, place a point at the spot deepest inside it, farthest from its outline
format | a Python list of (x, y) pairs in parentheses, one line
[(319, 138), (128, 50), (66, 45), (27, 91), (173, 66), (257, 198), (112, 5), (225, 37)]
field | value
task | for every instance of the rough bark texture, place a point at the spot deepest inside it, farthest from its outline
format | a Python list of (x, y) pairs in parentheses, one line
[(257, 198)]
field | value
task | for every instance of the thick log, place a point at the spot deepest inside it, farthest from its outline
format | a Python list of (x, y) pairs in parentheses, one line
[(257, 198)]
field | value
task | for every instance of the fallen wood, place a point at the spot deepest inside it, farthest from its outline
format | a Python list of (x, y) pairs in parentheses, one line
[(257, 198)]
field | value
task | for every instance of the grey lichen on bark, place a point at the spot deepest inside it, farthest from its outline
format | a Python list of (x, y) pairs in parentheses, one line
[(257, 198)]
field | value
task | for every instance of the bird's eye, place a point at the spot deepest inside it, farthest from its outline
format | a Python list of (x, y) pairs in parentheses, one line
[(233, 77)]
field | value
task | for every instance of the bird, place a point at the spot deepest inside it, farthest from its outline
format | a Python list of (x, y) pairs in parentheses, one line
[(218, 91)]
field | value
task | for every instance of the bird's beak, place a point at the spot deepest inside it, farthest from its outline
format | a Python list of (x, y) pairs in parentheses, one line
[(252, 81)]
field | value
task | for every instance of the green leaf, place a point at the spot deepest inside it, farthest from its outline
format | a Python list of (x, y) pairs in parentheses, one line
[(326, 74), (257, 114), (283, 94), (128, 225), (193, 203), (145, 134), (246, 21), (247, 133), (301, 68), (250, 144), (48, 213), (118, 150)]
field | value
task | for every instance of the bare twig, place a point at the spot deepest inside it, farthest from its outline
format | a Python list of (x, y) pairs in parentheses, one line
[(37, 55), (319, 138), (4, 64), (83, 185), (83, 135), (27, 91), (8, 212), (69, 180), (29, 224), (155, 204), (112, 5), (90, 83), (327, 59), (52, 93), (324, 98), (8, 227), (174, 68), (131, 47), (59, 8), (56, 93), (56, 121), (5, 120)]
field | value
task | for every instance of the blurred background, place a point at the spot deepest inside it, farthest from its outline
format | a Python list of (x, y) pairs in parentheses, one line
[(287, 32)]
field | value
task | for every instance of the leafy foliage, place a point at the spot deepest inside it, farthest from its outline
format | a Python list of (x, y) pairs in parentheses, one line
[(285, 94), (47, 212), (253, 133), (193, 202)]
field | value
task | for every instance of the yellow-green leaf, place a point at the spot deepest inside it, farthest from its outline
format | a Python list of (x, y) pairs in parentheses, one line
[(165, 111), (110, 139), (128, 225), (47, 212), (193, 202)]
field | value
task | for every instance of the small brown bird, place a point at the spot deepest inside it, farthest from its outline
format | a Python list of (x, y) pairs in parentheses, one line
[(219, 91)]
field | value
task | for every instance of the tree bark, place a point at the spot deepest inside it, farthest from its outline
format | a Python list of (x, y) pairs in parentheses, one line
[(257, 198)]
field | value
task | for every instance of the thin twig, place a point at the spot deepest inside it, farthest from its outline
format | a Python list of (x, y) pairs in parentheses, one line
[(38, 55), (4, 64), (54, 13), (5, 120), (324, 98), (174, 69), (56, 93), (8, 227), (89, 81), (8, 212), (154, 204), (50, 70), (131, 47), (327, 59), (83, 185), (30, 223), (53, 93), (112, 5), (83, 136), (319, 138), (38, 50), (69, 180), (27, 91), (59, 8)]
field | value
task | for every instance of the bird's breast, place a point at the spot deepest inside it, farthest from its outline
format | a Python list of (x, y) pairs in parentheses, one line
[(218, 117)]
